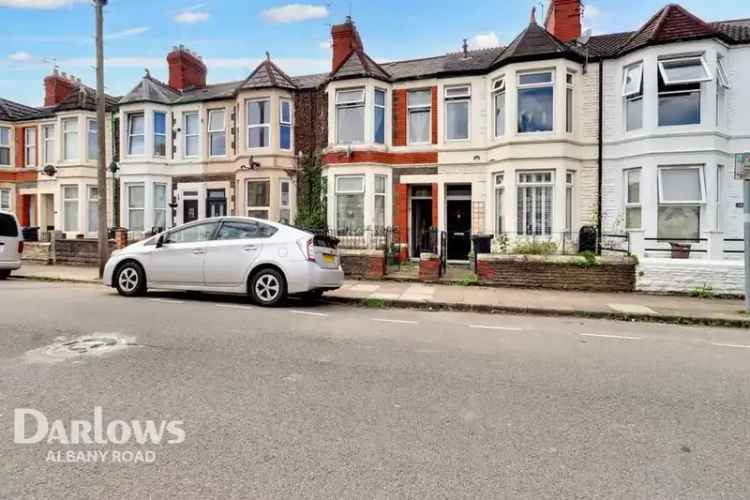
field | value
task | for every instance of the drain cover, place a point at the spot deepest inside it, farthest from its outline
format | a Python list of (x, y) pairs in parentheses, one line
[(87, 345)]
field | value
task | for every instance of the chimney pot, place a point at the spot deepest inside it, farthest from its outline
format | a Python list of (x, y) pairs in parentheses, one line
[(344, 40), (186, 69)]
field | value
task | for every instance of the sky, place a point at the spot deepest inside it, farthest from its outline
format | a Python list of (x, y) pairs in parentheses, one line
[(233, 35)]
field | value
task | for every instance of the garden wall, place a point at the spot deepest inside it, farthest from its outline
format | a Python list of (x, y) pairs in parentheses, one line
[(363, 264), (719, 277), (78, 252)]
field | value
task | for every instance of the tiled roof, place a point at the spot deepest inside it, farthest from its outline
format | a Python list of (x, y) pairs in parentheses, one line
[(737, 30), (310, 81), (535, 42), (150, 89), (225, 90), (268, 75), (84, 98), (11, 111), (608, 45), (359, 64)]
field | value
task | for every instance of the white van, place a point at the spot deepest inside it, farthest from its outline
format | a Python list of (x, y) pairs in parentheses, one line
[(11, 244)]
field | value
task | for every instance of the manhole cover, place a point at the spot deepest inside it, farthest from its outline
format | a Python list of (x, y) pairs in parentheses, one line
[(87, 345)]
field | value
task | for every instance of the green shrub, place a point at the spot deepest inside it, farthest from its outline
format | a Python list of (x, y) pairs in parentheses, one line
[(373, 303), (535, 248), (586, 259), (703, 292)]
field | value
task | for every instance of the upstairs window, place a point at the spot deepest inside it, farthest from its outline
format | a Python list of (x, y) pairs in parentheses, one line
[(70, 139), (536, 102), (681, 194), (632, 91), (259, 123), (160, 134), (457, 101), (192, 134), (217, 135), (379, 116), (285, 125), (498, 93), (680, 90), (4, 146), (350, 116), (48, 140), (419, 116), (136, 128), (92, 141), (569, 103), (30, 146)]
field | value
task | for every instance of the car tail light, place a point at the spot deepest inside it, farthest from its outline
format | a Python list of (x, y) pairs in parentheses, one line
[(20, 247), (310, 250)]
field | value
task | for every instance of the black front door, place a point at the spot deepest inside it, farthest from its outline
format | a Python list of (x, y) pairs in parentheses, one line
[(189, 211), (459, 229), (421, 221)]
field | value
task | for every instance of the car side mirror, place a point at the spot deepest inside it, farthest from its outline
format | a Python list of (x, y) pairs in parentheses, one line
[(160, 241)]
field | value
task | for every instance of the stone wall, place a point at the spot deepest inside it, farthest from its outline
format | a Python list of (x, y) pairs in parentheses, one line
[(609, 274), (723, 277), (37, 253), (79, 252), (367, 264)]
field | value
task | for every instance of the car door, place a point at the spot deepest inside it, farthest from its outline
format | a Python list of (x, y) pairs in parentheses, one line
[(179, 260), (236, 245)]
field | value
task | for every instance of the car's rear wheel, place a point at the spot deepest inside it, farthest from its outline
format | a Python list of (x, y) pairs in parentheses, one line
[(268, 287), (130, 280), (4, 274)]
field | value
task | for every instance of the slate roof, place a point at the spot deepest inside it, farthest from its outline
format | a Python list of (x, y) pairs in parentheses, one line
[(150, 89), (268, 75), (225, 90), (359, 64), (533, 43), (12, 111), (84, 98)]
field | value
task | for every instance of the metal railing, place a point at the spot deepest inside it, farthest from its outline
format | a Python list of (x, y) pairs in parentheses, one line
[(618, 243), (368, 238), (736, 246)]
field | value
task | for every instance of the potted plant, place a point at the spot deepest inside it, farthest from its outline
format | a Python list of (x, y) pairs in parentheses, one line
[(680, 250)]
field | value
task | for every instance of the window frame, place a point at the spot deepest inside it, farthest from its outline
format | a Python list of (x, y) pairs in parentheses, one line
[(288, 205), (625, 73), (89, 200), (348, 192), (7, 146), (66, 201), (722, 76), (258, 208), (289, 123), (29, 147), (187, 136), (499, 187), (630, 204), (454, 99), (530, 185), (539, 85), (89, 129), (129, 122), (499, 88), (380, 195), (570, 201), (250, 126), (375, 108), (7, 207), (160, 209), (417, 108), (129, 208), (569, 101), (222, 131), (46, 140), (158, 134), (667, 81), (350, 104), (65, 133), (701, 180)]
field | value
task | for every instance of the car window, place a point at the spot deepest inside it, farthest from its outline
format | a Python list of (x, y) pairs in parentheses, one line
[(234, 230), (8, 227), (192, 234)]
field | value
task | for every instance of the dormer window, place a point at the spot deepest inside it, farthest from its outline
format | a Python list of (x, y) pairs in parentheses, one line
[(498, 93), (536, 102), (259, 123), (419, 104), (457, 101), (632, 91), (350, 116)]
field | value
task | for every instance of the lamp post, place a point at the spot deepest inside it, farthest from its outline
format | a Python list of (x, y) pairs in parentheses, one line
[(101, 132)]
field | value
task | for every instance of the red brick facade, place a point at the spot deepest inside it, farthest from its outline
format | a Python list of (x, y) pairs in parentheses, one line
[(564, 19), (345, 39), (186, 70), (20, 150), (416, 158), (399, 117), (435, 205)]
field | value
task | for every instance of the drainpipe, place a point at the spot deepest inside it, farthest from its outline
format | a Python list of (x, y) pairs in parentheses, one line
[(600, 155)]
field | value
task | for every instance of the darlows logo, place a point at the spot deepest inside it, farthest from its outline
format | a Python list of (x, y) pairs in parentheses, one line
[(32, 427)]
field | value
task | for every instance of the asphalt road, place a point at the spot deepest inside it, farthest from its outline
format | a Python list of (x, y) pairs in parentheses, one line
[(326, 401)]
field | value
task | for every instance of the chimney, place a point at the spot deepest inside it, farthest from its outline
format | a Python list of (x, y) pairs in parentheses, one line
[(57, 86), (186, 69), (345, 39), (564, 19)]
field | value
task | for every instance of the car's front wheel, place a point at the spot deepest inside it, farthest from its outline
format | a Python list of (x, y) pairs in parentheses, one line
[(268, 287), (130, 280)]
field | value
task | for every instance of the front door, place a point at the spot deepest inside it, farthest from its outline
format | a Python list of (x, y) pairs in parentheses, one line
[(421, 222), (189, 211), (179, 261), (458, 229)]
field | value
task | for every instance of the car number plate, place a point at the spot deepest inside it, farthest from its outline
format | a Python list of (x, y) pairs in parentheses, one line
[(329, 259)]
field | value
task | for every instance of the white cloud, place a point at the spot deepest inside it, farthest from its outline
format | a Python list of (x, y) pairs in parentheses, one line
[(294, 13), (38, 4), (192, 15), (20, 56), (483, 41), (127, 33), (326, 44)]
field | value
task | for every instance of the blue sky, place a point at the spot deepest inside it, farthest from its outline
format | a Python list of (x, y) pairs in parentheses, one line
[(232, 35)]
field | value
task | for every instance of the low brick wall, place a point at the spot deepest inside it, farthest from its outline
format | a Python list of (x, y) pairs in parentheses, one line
[(38, 253), (369, 264), (429, 267), (609, 274), (722, 277), (78, 252)]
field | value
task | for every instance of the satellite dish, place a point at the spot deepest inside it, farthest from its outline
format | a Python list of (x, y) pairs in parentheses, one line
[(584, 39)]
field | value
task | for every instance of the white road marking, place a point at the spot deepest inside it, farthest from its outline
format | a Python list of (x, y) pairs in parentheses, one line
[(732, 345), (230, 306), (167, 301), (621, 337), (401, 321), (490, 327), (322, 315)]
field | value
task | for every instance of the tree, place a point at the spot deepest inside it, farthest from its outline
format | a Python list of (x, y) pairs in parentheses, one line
[(311, 193)]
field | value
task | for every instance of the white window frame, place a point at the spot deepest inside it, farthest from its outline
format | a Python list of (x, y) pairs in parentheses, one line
[(382, 194), (456, 98), (721, 74), (266, 124), (158, 134), (362, 191), (289, 123), (187, 136), (89, 129), (160, 209), (7, 145), (375, 107), (499, 87), (416, 108), (637, 75), (499, 183), (29, 147), (530, 185), (222, 131), (342, 104), (129, 124), (701, 180), (129, 208), (570, 195), (5, 205), (89, 200), (569, 106), (288, 205), (49, 154), (65, 202), (525, 86), (629, 204), (75, 131), (266, 208), (668, 81)]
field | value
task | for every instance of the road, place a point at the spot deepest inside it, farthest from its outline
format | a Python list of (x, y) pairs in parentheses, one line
[(324, 401)]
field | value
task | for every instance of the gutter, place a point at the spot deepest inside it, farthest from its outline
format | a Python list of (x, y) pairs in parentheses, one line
[(600, 157)]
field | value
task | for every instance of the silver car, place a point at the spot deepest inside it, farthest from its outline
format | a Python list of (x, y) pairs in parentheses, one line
[(11, 244), (238, 255)]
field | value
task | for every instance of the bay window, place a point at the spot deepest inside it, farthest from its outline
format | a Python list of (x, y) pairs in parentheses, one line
[(160, 134), (379, 117), (92, 151), (681, 195), (499, 200), (136, 204), (419, 116), (48, 140), (70, 139), (569, 102), (285, 211), (70, 208), (5, 199), (5, 146), (136, 131), (680, 90), (457, 102), (350, 204), (29, 146), (632, 91), (535, 190), (217, 135), (633, 213), (350, 116), (191, 124), (380, 181), (536, 102), (285, 125), (259, 199), (92, 209), (160, 206), (258, 123), (498, 98), (569, 201)]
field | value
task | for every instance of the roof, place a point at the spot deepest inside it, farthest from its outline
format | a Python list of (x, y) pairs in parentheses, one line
[(535, 42), (84, 98), (12, 111), (268, 75), (359, 64), (737, 30), (608, 45), (150, 89)]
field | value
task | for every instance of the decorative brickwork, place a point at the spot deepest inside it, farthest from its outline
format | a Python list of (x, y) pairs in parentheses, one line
[(399, 117)]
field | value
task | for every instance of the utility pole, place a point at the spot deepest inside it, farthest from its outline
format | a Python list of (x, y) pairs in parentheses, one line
[(101, 136), (746, 226)]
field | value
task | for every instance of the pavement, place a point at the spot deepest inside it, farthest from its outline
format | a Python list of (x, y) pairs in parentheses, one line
[(625, 306), (320, 400)]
